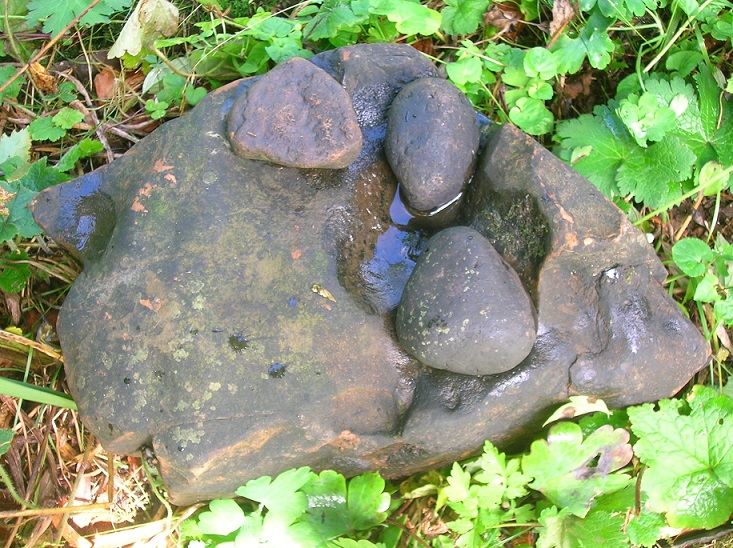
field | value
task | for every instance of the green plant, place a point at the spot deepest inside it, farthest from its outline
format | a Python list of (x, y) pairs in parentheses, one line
[(572, 488), (710, 272), (297, 508), (652, 142)]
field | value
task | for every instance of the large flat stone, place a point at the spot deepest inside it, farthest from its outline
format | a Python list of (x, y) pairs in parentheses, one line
[(237, 317)]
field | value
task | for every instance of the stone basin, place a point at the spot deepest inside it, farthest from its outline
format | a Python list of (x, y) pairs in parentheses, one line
[(238, 317)]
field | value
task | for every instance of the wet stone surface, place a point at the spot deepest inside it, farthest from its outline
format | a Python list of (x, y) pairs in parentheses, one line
[(431, 142), (239, 317), (464, 308)]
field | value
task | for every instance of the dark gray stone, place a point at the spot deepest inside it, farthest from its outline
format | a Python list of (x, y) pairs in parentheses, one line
[(296, 115), (431, 142), (464, 308), (224, 319)]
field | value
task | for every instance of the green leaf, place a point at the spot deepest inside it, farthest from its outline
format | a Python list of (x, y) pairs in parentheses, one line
[(223, 517), (67, 117), (43, 129), (654, 177), (465, 70), (410, 18), (563, 470), (610, 141), (6, 438), (692, 256), (724, 311), (686, 448), (540, 62), (19, 220), (327, 510), (15, 145), (504, 480), (332, 17), (83, 149), (15, 272), (367, 502), (647, 119), (463, 16), (40, 176), (56, 15), (12, 91), (713, 179), (532, 116), (645, 530), (281, 495), (37, 394), (707, 289), (563, 530), (599, 47)]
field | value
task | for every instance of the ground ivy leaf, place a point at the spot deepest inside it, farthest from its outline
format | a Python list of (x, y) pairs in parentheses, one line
[(653, 177), (83, 149), (562, 465), (531, 116), (467, 69), (599, 528), (223, 517), (692, 256), (707, 289), (463, 16), (686, 448)]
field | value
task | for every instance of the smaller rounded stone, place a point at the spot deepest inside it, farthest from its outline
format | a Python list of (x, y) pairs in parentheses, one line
[(464, 309), (296, 115), (431, 142)]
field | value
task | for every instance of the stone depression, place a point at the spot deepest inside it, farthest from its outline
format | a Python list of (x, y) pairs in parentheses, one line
[(240, 317)]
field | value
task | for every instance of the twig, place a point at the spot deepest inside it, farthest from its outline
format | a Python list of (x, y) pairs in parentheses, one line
[(48, 46)]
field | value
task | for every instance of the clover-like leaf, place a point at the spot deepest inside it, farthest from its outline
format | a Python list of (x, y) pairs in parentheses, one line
[(692, 256), (571, 471), (687, 450)]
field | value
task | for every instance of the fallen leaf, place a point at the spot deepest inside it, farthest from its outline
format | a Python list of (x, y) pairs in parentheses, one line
[(295, 254), (562, 12), (149, 21), (104, 83), (42, 79), (323, 292)]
